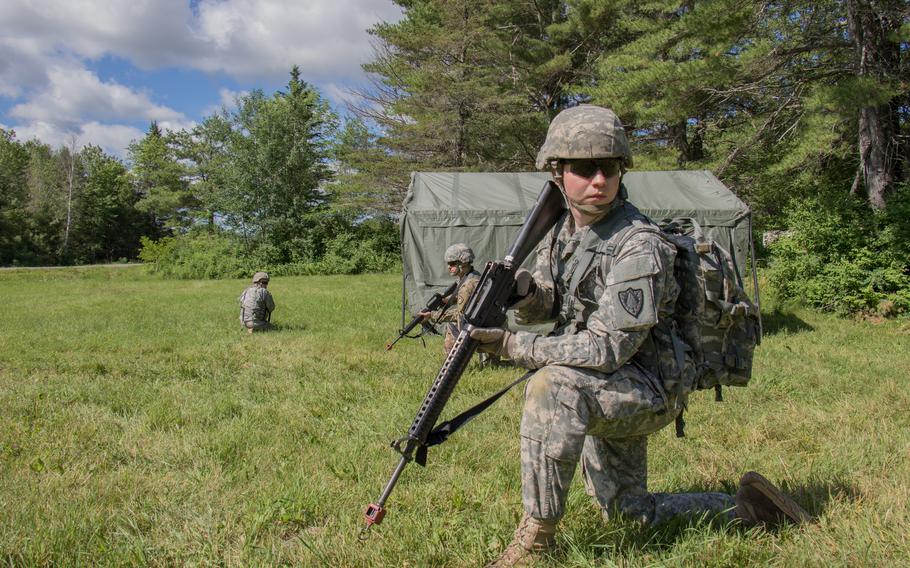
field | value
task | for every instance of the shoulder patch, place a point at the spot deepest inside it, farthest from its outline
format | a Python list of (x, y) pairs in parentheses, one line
[(632, 300)]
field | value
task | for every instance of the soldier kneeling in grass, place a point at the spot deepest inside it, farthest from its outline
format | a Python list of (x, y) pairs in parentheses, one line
[(460, 261), (613, 370), (256, 304)]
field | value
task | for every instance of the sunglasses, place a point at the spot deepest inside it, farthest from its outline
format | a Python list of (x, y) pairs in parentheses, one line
[(453, 263), (609, 167)]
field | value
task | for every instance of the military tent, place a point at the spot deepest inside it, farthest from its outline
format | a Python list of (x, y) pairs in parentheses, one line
[(485, 210)]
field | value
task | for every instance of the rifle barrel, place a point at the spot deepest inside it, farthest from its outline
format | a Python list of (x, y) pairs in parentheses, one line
[(485, 308)]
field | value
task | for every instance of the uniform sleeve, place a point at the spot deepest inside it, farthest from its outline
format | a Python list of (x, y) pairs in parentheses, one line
[(638, 285), (269, 301), (458, 303), (464, 294), (539, 308), (445, 312)]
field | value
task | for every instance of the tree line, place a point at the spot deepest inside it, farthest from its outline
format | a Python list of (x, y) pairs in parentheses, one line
[(801, 107), (768, 95), (248, 186)]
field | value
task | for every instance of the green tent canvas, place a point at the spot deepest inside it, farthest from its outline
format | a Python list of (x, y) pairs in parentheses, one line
[(485, 210)]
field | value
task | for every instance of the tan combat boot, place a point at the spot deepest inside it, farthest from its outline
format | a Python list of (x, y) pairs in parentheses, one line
[(532, 536), (759, 502)]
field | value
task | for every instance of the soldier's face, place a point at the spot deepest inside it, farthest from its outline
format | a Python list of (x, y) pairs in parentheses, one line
[(588, 187)]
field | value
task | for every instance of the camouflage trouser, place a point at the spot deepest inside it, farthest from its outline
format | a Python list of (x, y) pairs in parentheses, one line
[(257, 325), (448, 341), (602, 420)]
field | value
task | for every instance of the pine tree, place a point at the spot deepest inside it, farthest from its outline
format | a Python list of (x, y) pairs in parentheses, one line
[(279, 148), (205, 150), (471, 85), (875, 28), (161, 180)]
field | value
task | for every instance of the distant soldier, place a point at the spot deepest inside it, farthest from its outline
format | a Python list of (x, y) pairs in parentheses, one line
[(256, 304), (460, 259)]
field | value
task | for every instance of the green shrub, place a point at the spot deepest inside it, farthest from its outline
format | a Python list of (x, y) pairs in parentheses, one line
[(338, 246), (196, 255), (839, 256)]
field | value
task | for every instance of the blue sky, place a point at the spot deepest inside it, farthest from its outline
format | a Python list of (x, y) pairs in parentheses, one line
[(101, 70)]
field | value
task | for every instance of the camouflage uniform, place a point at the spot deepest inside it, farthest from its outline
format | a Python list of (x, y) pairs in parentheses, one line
[(256, 306), (452, 314), (614, 369), (611, 373)]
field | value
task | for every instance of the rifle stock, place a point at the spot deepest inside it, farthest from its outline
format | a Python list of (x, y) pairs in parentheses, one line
[(486, 308)]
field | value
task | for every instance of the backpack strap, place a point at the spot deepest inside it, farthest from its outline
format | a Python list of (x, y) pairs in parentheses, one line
[(609, 247), (554, 235)]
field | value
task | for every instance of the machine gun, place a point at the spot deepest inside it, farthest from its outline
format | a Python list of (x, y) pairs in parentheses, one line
[(435, 302), (485, 308)]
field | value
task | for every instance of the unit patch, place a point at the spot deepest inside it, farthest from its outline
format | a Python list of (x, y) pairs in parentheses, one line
[(632, 300)]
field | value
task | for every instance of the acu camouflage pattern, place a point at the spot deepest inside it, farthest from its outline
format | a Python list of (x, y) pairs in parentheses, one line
[(585, 132), (610, 373), (714, 314), (456, 305), (256, 305), (459, 252)]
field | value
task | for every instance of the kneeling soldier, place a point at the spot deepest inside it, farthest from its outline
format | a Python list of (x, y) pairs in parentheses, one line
[(256, 304), (608, 376), (460, 260)]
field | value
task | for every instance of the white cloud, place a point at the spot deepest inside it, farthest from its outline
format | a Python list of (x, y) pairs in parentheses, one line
[(75, 101), (112, 138), (251, 38), (74, 94), (46, 47), (247, 39), (339, 94), (226, 99)]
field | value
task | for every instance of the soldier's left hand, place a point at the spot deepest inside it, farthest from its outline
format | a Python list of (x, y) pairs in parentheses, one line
[(493, 340)]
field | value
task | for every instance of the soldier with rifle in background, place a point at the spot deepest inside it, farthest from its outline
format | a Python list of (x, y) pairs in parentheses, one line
[(460, 260)]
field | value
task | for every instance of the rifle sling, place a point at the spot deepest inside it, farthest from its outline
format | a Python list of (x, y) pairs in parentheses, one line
[(441, 433)]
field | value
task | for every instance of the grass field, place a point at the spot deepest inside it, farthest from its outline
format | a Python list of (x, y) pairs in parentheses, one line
[(140, 426)]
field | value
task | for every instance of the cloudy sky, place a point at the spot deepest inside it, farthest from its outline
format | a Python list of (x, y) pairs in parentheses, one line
[(101, 70)]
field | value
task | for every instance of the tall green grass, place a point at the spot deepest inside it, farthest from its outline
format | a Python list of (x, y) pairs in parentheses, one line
[(140, 426)]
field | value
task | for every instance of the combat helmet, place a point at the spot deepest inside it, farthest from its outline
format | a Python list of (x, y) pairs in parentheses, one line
[(260, 277), (459, 252), (585, 132)]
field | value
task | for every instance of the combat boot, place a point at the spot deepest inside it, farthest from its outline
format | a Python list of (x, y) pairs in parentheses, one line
[(759, 502), (531, 537)]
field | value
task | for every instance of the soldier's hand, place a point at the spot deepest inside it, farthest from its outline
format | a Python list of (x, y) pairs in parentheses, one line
[(425, 315), (524, 288), (493, 340)]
